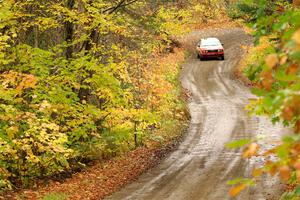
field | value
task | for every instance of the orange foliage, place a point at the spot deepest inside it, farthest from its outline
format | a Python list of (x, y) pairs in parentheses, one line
[(17, 80), (237, 189)]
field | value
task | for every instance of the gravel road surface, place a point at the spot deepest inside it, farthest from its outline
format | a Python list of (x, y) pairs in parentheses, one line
[(201, 167)]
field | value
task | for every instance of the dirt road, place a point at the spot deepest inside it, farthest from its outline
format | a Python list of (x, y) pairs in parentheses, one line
[(201, 167)]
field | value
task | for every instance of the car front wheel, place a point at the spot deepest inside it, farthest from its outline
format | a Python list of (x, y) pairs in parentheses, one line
[(199, 56)]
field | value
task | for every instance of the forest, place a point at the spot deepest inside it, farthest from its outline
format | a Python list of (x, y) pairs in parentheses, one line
[(84, 80)]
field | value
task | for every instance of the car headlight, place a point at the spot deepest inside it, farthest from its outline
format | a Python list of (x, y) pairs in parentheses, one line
[(220, 50)]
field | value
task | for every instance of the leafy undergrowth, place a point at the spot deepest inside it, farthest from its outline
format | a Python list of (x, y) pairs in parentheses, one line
[(252, 54), (220, 22), (102, 178), (79, 85)]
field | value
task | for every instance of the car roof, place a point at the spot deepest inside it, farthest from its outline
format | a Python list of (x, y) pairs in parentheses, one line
[(210, 41)]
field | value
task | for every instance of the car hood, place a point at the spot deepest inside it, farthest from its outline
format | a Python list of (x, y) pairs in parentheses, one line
[(212, 47)]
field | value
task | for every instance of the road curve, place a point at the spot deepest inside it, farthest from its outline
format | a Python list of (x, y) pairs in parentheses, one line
[(201, 167)]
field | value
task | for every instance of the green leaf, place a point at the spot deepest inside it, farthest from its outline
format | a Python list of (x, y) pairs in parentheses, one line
[(297, 191), (258, 92), (238, 143), (247, 181)]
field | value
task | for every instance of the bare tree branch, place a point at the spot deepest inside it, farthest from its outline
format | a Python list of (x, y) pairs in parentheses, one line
[(121, 4)]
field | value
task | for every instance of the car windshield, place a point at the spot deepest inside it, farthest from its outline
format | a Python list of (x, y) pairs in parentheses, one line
[(210, 43)]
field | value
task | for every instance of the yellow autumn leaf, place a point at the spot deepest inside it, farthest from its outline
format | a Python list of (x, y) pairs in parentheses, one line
[(51, 126), (237, 189), (11, 131), (251, 150), (244, 46), (272, 60), (297, 165), (298, 175), (29, 81), (296, 37), (283, 60), (44, 105), (257, 172)]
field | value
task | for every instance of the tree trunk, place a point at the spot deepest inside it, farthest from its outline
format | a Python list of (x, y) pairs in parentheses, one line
[(36, 36), (69, 28), (93, 38)]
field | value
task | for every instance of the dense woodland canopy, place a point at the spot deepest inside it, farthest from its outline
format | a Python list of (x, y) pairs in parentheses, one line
[(82, 80)]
